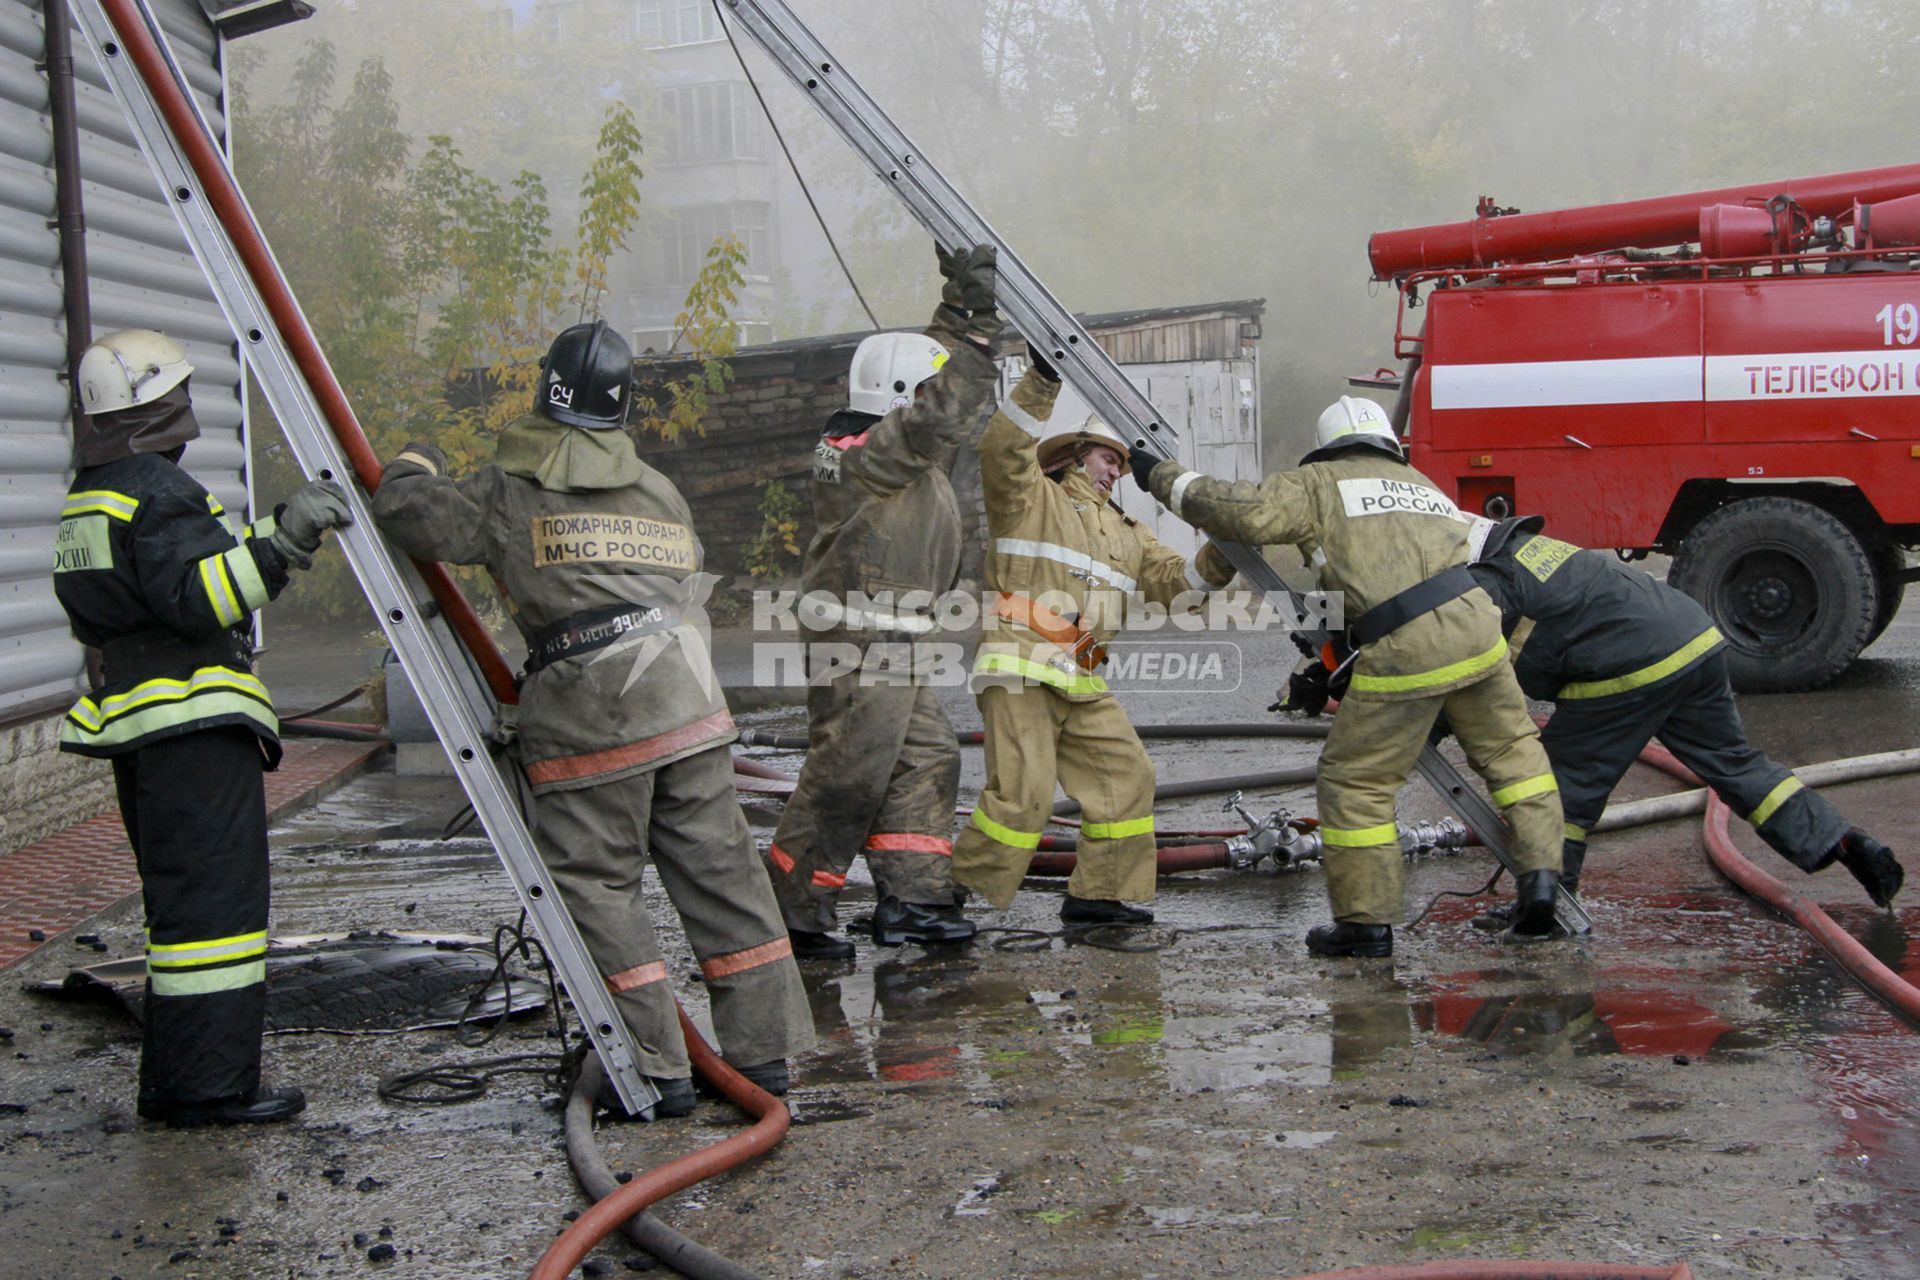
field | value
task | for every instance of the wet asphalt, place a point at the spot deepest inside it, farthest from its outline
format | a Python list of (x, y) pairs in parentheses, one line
[(1694, 1081)]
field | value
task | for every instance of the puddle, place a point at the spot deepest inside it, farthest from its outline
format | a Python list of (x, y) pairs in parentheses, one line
[(1184, 1217), (973, 1204)]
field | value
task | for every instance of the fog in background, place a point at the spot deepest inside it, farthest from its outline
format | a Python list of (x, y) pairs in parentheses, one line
[(1143, 153)]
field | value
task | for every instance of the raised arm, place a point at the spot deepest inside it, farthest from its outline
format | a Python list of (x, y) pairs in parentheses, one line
[(429, 515)]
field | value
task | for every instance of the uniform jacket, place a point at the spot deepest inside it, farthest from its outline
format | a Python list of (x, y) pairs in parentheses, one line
[(1064, 546), (560, 551), (1383, 527), (1600, 627), (149, 569), (886, 518)]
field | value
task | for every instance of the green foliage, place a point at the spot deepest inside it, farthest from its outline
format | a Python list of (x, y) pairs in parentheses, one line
[(706, 326), (774, 552), (433, 288)]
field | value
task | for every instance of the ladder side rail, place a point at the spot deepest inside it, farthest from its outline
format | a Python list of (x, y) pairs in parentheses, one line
[(134, 55), (1071, 349)]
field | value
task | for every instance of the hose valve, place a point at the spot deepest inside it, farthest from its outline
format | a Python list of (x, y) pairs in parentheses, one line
[(1264, 838), (1442, 833)]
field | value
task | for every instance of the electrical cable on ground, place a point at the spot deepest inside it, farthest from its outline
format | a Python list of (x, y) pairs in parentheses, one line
[(721, 16)]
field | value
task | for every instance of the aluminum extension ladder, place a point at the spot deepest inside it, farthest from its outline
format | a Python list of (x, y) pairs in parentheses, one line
[(140, 68), (1042, 320)]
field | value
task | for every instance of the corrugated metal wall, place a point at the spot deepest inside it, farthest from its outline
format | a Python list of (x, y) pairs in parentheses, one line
[(142, 276)]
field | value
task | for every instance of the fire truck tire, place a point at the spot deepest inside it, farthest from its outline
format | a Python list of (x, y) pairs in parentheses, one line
[(1888, 564), (1790, 586)]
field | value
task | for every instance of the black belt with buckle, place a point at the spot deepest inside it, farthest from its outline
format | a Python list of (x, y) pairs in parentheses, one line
[(596, 629)]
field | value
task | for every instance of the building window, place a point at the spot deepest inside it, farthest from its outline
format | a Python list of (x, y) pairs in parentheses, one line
[(660, 23), (716, 121), (684, 235)]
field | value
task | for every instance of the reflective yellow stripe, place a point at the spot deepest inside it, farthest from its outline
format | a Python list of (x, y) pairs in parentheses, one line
[(1775, 798), (1538, 784), (201, 982), (1118, 830), (219, 588), (1006, 835), (1359, 837), (245, 571), (182, 955), (1427, 679), (1645, 675), (105, 501), (262, 528), (1572, 832), (149, 691), (1038, 673)]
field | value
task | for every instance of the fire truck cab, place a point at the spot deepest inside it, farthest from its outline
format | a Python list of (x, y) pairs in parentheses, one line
[(1730, 378)]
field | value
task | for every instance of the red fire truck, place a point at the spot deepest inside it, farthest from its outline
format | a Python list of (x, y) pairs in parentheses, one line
[(1731, 378)]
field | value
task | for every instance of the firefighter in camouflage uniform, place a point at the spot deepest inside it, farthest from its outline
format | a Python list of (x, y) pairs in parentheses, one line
[(1061, 563), (883, 766), (1429, 639), (1626, 659), (621, 728), (151, 571)]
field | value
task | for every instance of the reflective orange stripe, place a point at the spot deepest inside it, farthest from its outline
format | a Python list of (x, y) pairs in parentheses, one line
[(638, 976), (828, 880), (752, 958), (674, 741), (903, 842), (781, 859)]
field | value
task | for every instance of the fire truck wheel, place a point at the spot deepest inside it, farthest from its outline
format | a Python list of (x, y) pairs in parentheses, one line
[(1888, 564), (1790, 587)]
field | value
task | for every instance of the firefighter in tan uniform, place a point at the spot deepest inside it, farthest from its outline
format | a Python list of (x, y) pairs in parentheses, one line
[(621, 727), (1060, 565), (883, 766), (1428, 638)]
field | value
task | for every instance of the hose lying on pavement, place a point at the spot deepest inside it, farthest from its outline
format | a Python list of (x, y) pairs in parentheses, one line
[(770, 1125), (1682, 803), (1468, 1269), (1211, 786), (1147, 732), (597, 1180)]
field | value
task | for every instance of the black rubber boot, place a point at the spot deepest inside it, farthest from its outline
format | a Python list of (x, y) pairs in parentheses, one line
[(1873, 865), (1533, 904), (676, 1099), (771, 1076), (808, 945), (264, 1106), (1101, 911), (896, 922), (1348, 939)]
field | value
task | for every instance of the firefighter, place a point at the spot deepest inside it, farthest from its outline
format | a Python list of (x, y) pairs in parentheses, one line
[(883, 766), (152, 573), (1061, 561), (1625, 659), (1426, 637), (621, 728)]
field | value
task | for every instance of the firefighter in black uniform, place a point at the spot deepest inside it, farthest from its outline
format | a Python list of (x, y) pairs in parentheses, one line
[(152, 573), (1625, 659)]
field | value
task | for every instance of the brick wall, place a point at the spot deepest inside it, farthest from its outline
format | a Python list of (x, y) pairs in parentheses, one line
[(42, 788), (765, 427)]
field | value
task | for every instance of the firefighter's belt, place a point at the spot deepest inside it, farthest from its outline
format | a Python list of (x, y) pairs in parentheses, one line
[(1397, 611), (145, 654), (595, 629), (1051, 627)]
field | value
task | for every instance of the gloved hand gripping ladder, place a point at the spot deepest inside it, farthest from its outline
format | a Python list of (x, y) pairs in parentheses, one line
[(460, 688), (1044, 322)]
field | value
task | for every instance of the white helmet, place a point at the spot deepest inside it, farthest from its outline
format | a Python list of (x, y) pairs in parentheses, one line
[(1353, 420), (1055, 445), (886, 369), (130, 367)]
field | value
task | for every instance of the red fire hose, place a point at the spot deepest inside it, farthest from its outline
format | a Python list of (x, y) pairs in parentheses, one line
[(604, 1218), (223, 195)]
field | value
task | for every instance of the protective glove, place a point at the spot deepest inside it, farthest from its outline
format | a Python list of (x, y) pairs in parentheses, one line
[(314, 508), (1441, 731), (1143, 464), (975, 274), (951, 264), (1038, 359), (430, 456), (1307, 689)]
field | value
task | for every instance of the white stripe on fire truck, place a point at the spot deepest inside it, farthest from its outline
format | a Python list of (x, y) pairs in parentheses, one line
[(1774, 375)]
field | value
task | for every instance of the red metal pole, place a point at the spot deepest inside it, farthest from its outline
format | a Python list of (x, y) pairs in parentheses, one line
[(223, 195), (1638, 224)]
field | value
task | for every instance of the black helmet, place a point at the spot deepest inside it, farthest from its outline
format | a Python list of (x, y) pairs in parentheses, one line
[(586, 379)]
